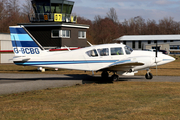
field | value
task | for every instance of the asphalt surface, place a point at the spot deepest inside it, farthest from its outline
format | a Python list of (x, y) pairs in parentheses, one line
[(15, 83)]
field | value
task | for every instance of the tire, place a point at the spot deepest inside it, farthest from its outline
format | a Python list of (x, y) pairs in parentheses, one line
[(104, 74), (115, 77), (148, 76)]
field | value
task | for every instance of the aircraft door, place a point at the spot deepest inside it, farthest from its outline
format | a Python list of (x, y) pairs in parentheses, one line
[(93, 60), (117, 53), (104, 56)]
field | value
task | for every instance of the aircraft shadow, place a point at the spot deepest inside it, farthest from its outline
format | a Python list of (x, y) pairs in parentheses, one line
[(86, 79)]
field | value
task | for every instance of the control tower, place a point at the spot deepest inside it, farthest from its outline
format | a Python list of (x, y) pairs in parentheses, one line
[(52, 11), (53, 26)]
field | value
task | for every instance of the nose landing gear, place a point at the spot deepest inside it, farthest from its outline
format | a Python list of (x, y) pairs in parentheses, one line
[(148, 75)]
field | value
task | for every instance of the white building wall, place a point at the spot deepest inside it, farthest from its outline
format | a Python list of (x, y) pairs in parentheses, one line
[(5, 44), (7, 58)]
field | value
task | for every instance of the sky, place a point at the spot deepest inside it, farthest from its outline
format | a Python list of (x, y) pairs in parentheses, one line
[(126, 9)]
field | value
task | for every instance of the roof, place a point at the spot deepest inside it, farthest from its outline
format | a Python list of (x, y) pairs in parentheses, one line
[(148, 37), (50, 24)]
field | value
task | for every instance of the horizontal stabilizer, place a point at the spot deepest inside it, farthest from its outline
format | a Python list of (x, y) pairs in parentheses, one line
[(20, 58)]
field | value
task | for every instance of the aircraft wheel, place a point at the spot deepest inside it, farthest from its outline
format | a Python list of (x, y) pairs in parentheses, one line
[(115, 77), (104, 74), (149, 76)]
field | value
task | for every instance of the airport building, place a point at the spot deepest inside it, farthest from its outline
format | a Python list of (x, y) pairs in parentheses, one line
[(52, 25), (6, 50), (170, 43)]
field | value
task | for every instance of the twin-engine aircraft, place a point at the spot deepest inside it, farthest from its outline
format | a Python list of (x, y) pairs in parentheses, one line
[(116, 58)]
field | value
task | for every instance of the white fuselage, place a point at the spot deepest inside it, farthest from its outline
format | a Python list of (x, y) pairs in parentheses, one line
[(80, 60)]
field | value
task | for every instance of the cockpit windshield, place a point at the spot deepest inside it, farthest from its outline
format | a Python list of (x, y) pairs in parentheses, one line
[(128, 50)]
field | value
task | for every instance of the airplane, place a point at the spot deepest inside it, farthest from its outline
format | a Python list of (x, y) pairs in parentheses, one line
[(116, 58)]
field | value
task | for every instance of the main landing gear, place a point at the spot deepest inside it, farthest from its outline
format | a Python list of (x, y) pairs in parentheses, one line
[(148, 75), (105, 75), (115, 77)]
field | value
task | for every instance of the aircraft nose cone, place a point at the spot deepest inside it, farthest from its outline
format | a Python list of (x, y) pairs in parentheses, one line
[(169, 58), (163, 59)]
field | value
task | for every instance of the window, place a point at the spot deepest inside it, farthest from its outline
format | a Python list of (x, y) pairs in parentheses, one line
[(92, 53), (60, 34), (128, 50), (117, 51), (133, 44), (82, 34), (65, 33), (55, 33), (103, 52), (139, 44), (175, 47), (124, 42)]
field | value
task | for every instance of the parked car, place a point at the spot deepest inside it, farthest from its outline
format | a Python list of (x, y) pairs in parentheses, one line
[(163, 51)]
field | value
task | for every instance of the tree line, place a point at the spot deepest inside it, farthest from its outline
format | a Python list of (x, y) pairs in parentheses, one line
[(102, 29), (107, 29), (13, 12)]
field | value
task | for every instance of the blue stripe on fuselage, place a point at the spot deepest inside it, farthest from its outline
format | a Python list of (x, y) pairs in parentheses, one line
[(62, 62)]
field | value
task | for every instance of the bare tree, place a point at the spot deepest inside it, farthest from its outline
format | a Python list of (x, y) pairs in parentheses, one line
[(27, 7), (112, 15), (2, 8)]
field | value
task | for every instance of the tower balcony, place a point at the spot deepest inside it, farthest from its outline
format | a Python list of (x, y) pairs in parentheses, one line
[(52, 17)]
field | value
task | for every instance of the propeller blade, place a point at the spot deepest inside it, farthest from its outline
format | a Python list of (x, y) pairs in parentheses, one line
[(156, 48), (156, 57)]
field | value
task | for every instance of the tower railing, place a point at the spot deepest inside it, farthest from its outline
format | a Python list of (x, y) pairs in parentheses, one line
[(52, 17)]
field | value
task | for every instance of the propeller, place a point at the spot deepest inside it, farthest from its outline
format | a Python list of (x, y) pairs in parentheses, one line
[(156, 56)]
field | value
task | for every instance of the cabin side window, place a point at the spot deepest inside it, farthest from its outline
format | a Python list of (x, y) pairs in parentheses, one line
[(103, 52), (92, 53), (128, 50), (117, 51)]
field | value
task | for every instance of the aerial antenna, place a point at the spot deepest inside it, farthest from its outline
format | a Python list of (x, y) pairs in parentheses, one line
[(67, 48), (89, 43)]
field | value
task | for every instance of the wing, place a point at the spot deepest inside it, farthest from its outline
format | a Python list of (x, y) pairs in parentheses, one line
[(124, 65)]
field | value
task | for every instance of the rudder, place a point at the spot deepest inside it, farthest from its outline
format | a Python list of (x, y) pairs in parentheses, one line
[(22, 42)]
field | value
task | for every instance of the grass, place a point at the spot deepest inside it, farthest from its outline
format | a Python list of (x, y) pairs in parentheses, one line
[(121, 100)]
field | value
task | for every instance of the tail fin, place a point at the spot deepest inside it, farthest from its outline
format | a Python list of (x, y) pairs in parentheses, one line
[(23, 42)]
